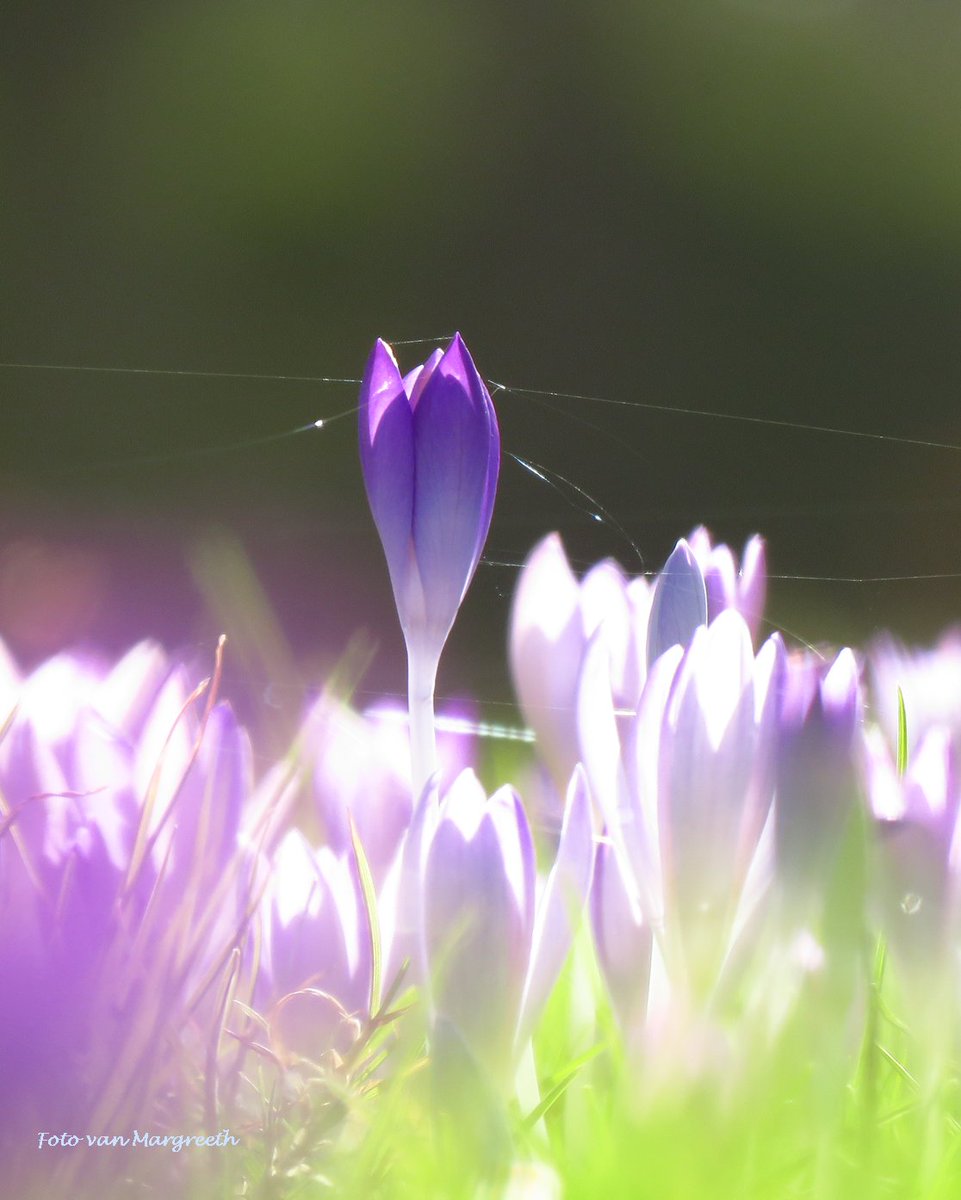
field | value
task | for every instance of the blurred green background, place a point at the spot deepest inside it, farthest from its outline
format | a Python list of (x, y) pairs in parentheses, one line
[(744, 207)]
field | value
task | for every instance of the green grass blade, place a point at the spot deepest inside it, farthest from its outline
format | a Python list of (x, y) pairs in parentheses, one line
[(902, 735)]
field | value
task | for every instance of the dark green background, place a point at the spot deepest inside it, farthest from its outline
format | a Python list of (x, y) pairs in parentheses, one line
[(744, 207)]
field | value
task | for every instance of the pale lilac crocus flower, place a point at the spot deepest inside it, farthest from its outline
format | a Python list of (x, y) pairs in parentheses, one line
[(484, 936), (731, 583), (361, 773), (685, 790), (818, 770), (430, 453), (554, 617), (929, 680), (623, 941), (108, 875), (316, 972), (917, 885), (806, 957)]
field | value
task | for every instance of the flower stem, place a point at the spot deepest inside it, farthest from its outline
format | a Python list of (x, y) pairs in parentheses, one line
[(421, 678)]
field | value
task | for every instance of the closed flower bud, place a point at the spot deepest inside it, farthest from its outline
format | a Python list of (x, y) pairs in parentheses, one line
[(430, 452)]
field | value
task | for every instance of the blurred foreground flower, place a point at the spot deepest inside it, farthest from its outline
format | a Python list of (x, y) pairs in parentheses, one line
[(430, 452), (490, 942), (929, 680), (121, 888), (316, 971), (361, 772), (918, 849)]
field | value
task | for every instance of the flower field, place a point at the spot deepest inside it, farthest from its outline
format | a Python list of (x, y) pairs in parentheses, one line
[(692, 932)]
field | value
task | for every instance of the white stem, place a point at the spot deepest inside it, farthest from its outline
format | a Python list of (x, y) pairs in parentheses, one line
[(421, 678)]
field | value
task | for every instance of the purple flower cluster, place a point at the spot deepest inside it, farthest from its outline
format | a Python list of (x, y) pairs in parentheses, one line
[(158, 899), (121, 798)]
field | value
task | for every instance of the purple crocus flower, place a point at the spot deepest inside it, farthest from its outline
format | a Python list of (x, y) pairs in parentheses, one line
[(479, 915), (360, 771), (715, 782), (430, 452), (622, 939), (316, 973), (819, 722), (686, 788), (929, 680), (553, 618), (917, 884), (729, 584), (490, 945), (117, 863)]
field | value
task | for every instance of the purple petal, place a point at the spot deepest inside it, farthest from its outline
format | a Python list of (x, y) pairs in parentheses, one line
[(166, 742), (517, 846), (402, 897), (715, 781), (124, 697), (752, 583), (546, 647), (816, 766), (597, 731), (930, 681), (623, 942), (102, 772), (317, 937), (931, 783), (605, 606), (53, 696), (559, 910), (699, 540), (457, 455), (641, 757), (387, 459), (679, 605), (475, 933), (361, 769), (600, 747), (207, 807), (415, 381), (720, 581)]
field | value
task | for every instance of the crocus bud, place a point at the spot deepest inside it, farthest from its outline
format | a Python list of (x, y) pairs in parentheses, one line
[(680, 603), (430, 452)]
